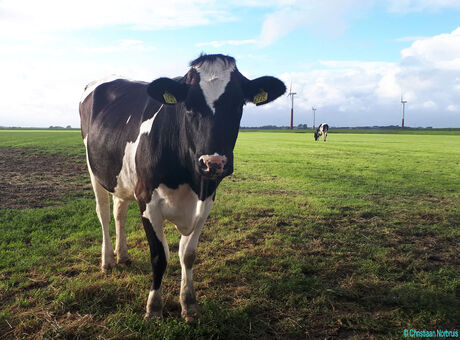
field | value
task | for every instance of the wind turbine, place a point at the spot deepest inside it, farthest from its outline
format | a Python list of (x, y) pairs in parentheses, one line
[(314, 114), (403, 102), (292, 94)]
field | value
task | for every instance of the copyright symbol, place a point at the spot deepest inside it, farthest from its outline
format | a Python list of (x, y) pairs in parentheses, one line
[(406, 332)]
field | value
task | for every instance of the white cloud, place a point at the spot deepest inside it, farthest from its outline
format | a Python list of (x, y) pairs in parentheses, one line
[(44, 73), (441, 51), (333, 17), (327, 16), (431, 71), (21, 18)]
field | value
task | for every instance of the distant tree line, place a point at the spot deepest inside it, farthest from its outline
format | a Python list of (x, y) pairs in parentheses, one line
[(59, 127), (274, 127)]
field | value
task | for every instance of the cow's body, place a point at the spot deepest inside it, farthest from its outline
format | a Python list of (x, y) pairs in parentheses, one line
[(167, 145), (321, 131)]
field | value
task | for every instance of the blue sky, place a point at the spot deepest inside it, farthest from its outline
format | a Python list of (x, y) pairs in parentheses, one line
[(350, 58)]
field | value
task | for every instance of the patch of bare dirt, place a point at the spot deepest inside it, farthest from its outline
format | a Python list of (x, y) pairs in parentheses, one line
[(29, 179)]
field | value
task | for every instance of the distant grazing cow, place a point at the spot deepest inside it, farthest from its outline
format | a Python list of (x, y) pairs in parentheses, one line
[(167, 145), (321, 130)]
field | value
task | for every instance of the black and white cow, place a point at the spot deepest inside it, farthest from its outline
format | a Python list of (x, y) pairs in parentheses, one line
[(321, 130), (167, 145)]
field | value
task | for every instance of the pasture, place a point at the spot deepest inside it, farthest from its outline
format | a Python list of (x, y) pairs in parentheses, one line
[(353, 238)]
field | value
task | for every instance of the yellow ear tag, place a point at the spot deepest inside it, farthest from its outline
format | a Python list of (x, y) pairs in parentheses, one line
[(260, 97), (169, 98)]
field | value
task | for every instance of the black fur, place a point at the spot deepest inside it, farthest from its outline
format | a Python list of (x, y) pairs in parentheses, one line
[(157, 88), (211, 58), (157, 254), (271, 85), (111, 105), (180, 134)]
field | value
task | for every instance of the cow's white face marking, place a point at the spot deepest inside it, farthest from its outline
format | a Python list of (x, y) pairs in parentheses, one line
[(127, 121), (214, 77)]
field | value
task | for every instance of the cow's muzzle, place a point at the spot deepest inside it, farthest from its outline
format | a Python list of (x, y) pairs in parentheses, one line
[(212, 166)]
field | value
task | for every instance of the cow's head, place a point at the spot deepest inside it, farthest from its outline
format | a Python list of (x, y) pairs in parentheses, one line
[(211, 96), (316, 135)]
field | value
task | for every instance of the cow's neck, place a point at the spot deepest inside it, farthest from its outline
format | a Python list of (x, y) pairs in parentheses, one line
[(174, 138)]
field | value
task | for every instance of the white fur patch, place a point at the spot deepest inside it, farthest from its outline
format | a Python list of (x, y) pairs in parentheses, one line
[(103, 213), (182, 207), (153, 214), (127, 121), (127, 178), (91, 86), (214, 77)]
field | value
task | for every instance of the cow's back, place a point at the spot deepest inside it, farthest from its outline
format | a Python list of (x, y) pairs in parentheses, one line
[(111, 116)]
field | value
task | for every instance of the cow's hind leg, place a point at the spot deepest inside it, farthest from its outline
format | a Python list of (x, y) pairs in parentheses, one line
[(103, 212), (120, 208), (159, 256)]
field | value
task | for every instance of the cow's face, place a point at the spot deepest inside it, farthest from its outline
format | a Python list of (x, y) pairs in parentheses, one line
[(316, 135), (211, 97)]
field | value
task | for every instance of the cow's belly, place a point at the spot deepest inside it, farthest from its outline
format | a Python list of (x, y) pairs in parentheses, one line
[(182, 207)]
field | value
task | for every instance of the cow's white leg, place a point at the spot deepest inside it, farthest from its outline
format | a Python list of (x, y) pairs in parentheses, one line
[(187, 251), (103, 212), (159, 256), (120, 208)]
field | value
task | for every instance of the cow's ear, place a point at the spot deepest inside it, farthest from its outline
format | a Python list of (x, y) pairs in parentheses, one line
[(263, 90), (167, 91)]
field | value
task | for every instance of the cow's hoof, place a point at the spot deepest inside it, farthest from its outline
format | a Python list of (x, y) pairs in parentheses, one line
[(124, 260), (107, 268), (153, 316), (191, 314)]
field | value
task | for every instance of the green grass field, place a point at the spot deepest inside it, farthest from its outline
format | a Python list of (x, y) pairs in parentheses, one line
[(353, 238)]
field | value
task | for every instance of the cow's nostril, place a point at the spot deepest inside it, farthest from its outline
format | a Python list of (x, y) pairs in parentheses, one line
[(203, 164)]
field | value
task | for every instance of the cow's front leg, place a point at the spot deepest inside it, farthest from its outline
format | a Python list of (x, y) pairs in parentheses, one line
[(187, 254), (159, 256), (187, 251)]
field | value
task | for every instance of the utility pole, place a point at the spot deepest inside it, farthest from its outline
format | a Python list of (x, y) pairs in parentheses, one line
[(403, 102), (292, 94), (314, 114)]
